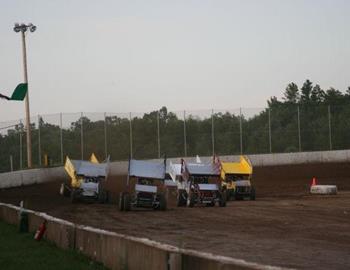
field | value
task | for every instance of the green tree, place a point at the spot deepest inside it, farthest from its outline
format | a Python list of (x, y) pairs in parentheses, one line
[(317, 94), (291, 94), (334, 97), (306, 92)]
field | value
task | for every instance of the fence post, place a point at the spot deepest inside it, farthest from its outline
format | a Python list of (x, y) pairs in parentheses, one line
[(299, 135), (20, 146), (330, 127), (11, 163), (82, 136), (61, 138), (130, 135), (270, 136), (158, 134), (185, 139), (212, 133), (39, 141), (241, 129), (105, 133)]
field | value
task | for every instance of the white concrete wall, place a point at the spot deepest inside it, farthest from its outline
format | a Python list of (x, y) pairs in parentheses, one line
[(300, 158), (29, 177), (116, 250), (285, 158), (34, 176)]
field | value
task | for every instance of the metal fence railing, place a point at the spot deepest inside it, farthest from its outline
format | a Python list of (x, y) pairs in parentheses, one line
[(184, 133)]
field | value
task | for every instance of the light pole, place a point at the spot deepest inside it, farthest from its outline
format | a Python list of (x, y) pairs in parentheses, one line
[(23, 29)]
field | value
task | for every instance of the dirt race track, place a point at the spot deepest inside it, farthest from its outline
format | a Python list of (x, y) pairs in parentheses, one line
[(285, 226)]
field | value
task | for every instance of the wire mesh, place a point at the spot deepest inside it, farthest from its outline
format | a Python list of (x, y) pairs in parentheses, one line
[(340, 126), (287, 128), (118, 136), (71, 135), (314, 128), (48, 127), (144, 135), (172, 133), (284, 129), (10, 132), (94, 135), (255, 131), (199, 133), (227, 132)]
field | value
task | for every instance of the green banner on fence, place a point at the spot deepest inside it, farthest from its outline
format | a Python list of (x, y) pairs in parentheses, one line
[(20, 92)]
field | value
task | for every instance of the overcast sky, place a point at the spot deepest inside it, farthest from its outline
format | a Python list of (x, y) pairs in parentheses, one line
[(121, 56)]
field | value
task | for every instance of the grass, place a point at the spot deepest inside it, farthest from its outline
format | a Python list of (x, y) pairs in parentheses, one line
[(21, 251)]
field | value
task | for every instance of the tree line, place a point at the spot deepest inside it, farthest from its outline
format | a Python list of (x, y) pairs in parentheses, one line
[(305, 119)]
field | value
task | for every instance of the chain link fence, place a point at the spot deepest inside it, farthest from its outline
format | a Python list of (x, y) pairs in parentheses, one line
[(290, 128)]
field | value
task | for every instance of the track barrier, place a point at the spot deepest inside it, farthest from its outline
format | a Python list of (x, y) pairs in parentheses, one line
[(119, 251), (37, 176)]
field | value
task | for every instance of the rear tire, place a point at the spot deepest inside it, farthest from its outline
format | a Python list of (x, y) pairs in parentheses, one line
[(162, 202), (228, 194), (127, 202), (212, 204), (238, 197), (74, 196), (121, 202), (190, 200), (102, 196), (181, 198), (64, 191), (252, 194), (222, 201)]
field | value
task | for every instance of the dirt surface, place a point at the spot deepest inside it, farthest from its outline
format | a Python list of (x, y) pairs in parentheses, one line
[(285, 226)]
